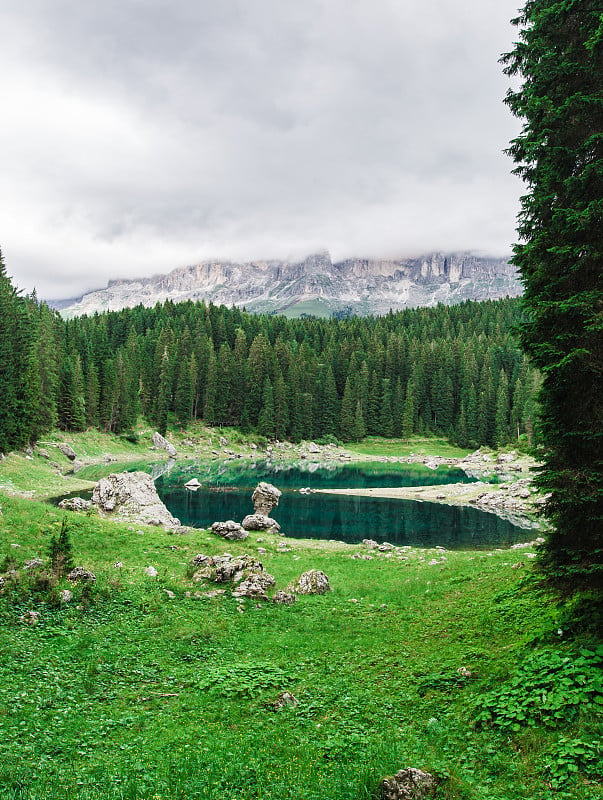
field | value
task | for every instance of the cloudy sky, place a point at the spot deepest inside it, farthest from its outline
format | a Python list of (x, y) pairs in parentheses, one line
[(142, 135)]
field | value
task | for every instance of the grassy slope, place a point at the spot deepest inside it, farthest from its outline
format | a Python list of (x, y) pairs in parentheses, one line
[(423, 446), (127, 693)]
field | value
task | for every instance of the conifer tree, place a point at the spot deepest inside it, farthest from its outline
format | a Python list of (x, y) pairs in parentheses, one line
[(559, 154), (346, 420), (408, 413), (19, 379), (359, 426), (281, 408), (266, 422)]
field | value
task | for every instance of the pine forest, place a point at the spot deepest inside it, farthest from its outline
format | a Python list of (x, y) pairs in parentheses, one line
[(452, 370)]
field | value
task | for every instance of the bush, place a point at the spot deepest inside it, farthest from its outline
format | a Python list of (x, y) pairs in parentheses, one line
[(548, 688)]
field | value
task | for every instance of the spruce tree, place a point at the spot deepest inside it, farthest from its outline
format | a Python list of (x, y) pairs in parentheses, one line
[(559, 154), (346, 420), (19, 373), (266, 422), (408, 413)]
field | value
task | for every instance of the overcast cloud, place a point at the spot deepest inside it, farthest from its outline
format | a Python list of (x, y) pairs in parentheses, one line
[(142, 135)]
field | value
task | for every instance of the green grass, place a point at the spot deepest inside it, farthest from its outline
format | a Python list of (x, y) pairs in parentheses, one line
[(424, 446), (125, 693)]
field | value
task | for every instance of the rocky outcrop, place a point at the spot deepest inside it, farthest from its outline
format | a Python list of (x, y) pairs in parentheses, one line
[(408, 784), (265, 498), (230, 530), (161, 443), (132, 495), (246, 572), (359, 285)]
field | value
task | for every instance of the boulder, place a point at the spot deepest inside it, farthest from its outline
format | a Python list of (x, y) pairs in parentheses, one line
[(260, 522), (151, 572), (408, 784), (44, 454), (313, 448), (244, 570), (161, 443), (230, 530), (370, 543), (67, 450), (132, 495), (65, 596), (283, 598), (81, 575), (194, 483), (265, 498), (312, 582), (75, 504)]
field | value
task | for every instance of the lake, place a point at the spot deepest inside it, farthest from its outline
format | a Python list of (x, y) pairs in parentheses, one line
[(227, 489)]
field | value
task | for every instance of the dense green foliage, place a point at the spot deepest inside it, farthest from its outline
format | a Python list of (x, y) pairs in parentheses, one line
[(455, 371), (20, 378), (560, 156)]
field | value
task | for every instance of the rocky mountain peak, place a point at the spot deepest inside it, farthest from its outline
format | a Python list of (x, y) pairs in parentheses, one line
[(316, 285)]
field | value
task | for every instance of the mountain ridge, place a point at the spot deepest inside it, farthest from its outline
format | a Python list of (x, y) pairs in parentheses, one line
[(354, 285)]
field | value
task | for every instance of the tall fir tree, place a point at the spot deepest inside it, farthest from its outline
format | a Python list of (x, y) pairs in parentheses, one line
[(559, 154)]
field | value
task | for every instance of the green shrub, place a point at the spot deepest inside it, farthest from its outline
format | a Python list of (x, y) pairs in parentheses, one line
[(571, 756), (548, 688)]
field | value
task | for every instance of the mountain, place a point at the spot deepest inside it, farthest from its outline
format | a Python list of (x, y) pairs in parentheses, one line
[(315, 285)]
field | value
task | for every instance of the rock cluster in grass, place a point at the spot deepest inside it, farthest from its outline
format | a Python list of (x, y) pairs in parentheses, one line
[(132, 495), (408, 784), (251, 580), (246, 572)]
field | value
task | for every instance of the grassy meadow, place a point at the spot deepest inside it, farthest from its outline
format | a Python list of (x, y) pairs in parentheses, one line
[(138, 689)]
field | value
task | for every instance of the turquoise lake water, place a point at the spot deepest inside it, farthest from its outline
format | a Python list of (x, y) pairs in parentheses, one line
[(227, 489)]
